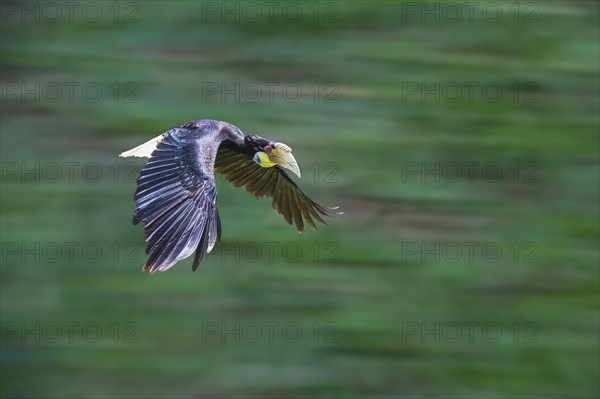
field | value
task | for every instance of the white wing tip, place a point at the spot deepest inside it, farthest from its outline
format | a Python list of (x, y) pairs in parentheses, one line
[(143, 150), (125, 154)]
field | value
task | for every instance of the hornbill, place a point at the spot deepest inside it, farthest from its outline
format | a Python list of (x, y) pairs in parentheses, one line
[(176, 193)]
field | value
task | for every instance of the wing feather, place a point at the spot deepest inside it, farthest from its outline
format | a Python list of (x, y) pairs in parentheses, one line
[(176, 204), (288, 199)]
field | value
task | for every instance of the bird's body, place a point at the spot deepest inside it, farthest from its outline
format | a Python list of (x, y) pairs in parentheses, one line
[(176, 193)]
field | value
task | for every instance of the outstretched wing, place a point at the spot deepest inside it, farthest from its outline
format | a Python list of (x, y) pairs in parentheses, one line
[(176, 203), (288, 199)]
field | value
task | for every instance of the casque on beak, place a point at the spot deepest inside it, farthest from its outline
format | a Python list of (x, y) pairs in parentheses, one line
[(282, 156)]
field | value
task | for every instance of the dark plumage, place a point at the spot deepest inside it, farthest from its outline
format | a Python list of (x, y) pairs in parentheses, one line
[(176, 193)]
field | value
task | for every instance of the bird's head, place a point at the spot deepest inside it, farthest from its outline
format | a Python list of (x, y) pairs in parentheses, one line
[(268, 154)]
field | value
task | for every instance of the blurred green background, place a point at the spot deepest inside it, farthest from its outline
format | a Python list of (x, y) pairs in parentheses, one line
[(374, 282)]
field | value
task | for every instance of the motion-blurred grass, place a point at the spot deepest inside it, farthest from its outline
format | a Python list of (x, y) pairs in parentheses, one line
[(371, 287)]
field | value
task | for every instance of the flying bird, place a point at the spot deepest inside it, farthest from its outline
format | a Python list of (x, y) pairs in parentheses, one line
[(176, 195)]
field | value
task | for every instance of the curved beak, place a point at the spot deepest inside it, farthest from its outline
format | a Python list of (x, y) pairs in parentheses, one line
[(282, 156)]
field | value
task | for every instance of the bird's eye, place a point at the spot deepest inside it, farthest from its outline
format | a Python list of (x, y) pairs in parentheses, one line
[(268, 149)]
